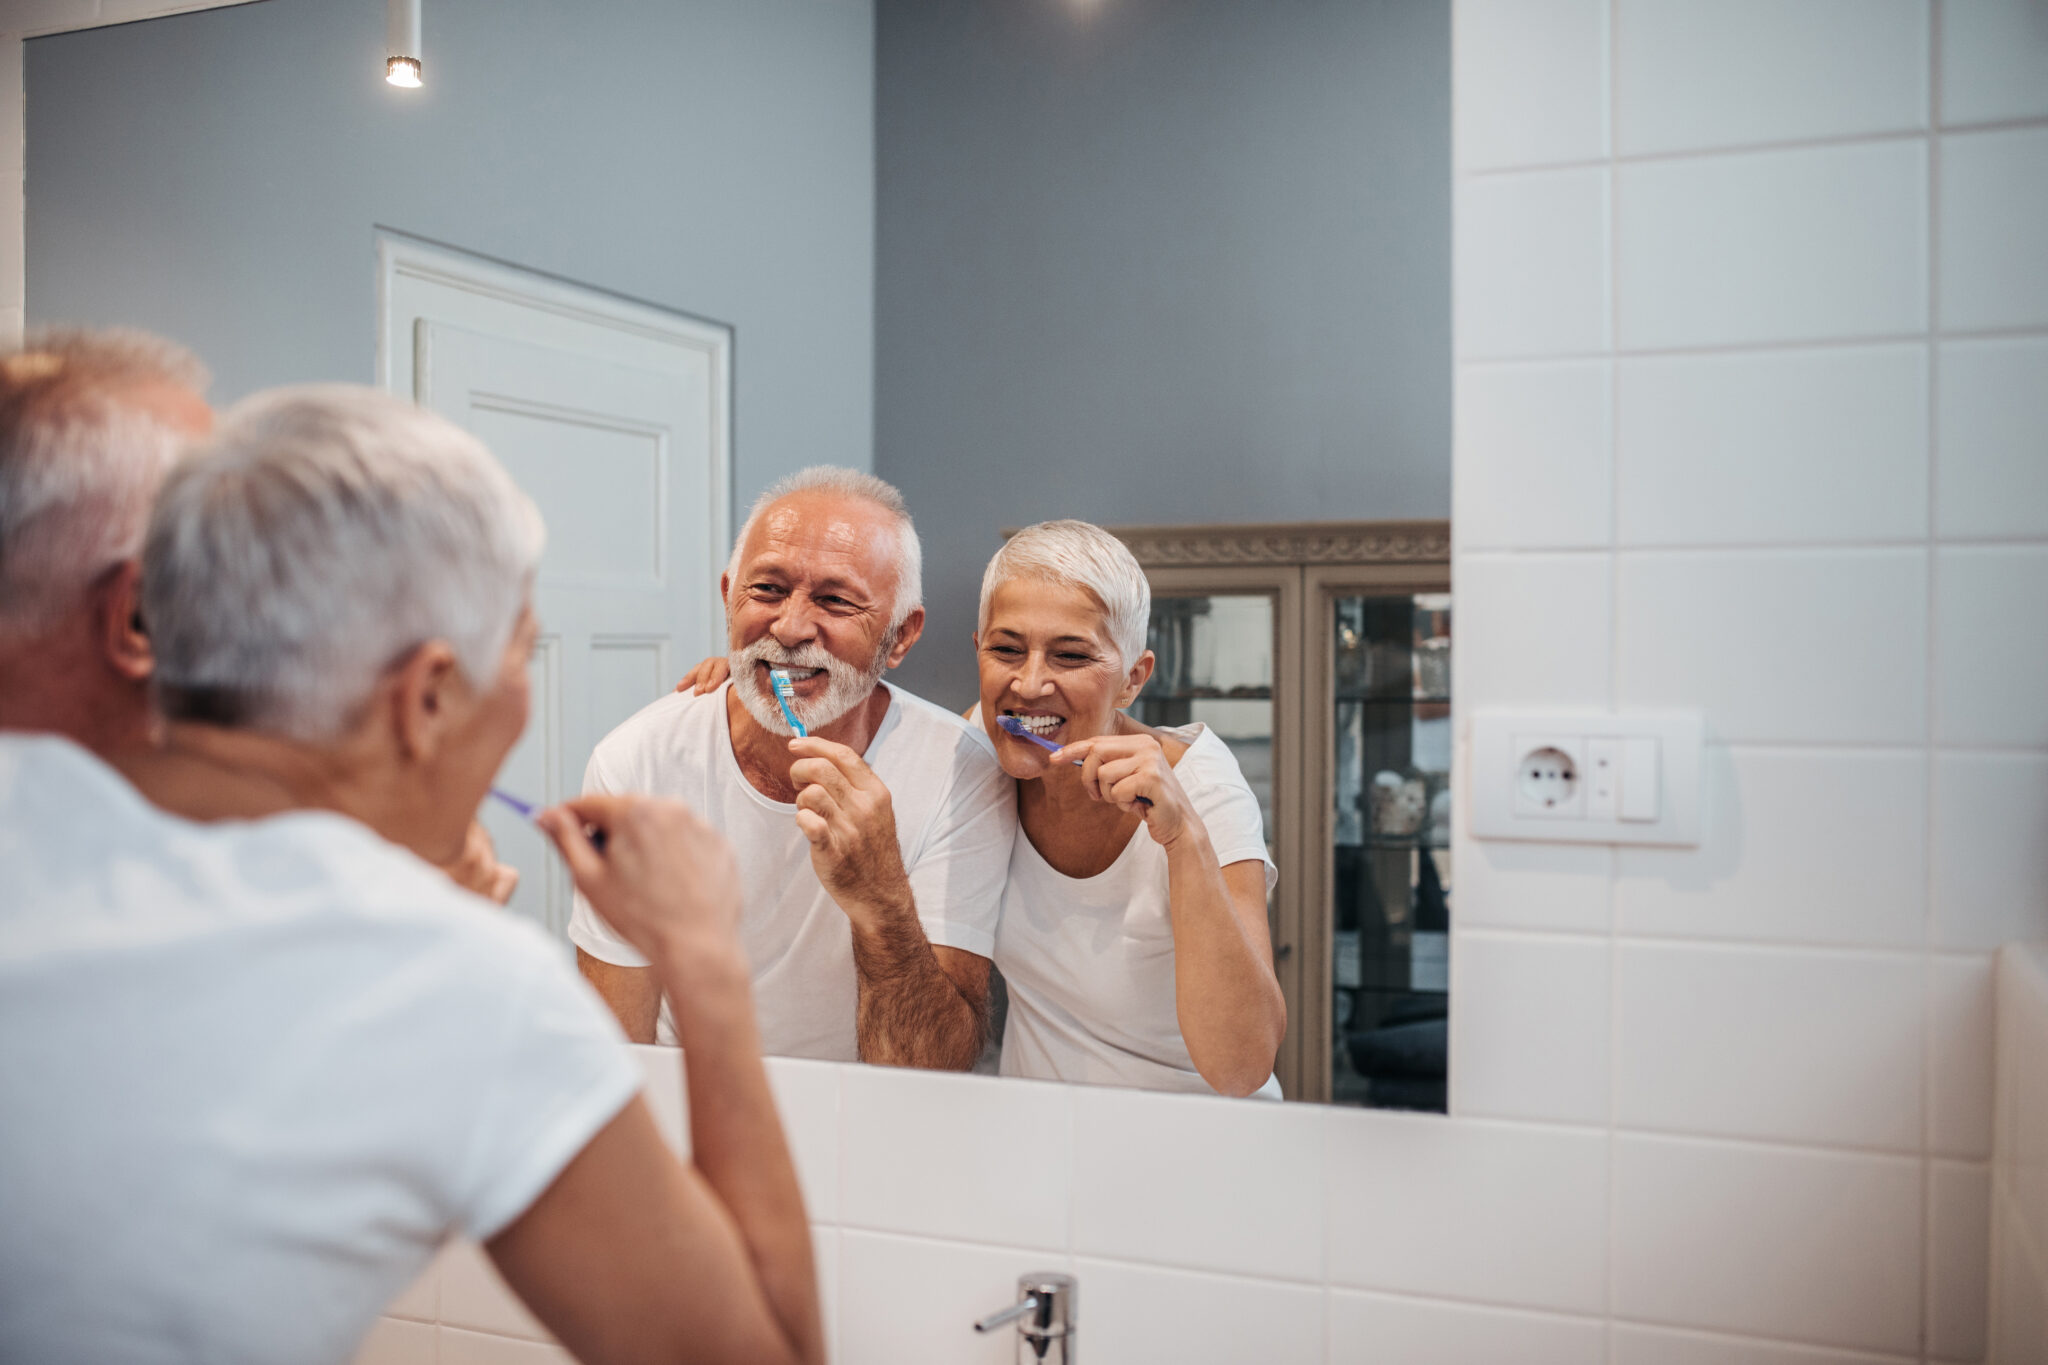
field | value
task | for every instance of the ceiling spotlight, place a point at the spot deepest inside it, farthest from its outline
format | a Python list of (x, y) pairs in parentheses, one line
[(402, 41)]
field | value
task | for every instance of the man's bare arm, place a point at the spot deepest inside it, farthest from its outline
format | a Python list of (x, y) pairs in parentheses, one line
[(917, 1005), (632, 992)]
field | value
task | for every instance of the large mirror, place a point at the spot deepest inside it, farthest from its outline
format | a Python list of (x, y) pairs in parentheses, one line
[(1179, 268)]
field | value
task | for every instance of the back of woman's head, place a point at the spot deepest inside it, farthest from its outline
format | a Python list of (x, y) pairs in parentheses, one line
[(1078, 554), (322, 535)]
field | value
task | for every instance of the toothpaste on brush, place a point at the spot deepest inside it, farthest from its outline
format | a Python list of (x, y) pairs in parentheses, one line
[(785, 697)]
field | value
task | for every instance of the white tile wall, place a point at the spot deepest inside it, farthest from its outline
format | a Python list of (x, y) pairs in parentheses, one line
[(909, 1299), (1378, 1329), (1993, 405), (1529, 264), (1533, 1042), (1812, 244), (1669, 1346), (1512, 885), (1994, 61), (1546, 60), (1803, 846), (1790, 1045), (1959, 1257), (1533, 629), (1821, 1247), (1838, 435), (2019, 1169), (1991, 674), (1838, 656), (1724, 73), (1994, 216), (1990, 857), (1534, 457), (1959, 1071), (1145, 1313)]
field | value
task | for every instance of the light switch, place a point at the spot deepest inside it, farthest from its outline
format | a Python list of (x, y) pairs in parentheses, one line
[(1641, 780)]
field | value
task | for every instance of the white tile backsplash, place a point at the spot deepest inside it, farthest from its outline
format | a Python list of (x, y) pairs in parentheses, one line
[(1725, 73), (1994, 217), (1783, 647), (1508, 884), (1532, 629), (1529, 1026), (1248, 1199), (458, 1346), (1822, 1247), (1534, 456), (1546, 62), (1502, 1213), (2019, 1294), (395, 1342), (1814, 244), (904, 1299), (1992, 474), (1991, 666), (807, 1097), (971, 1157), (1990, 849), (1838, 435), (1994, 61), (1144, 1313), (1634, 1345), (1802, 846), (1529, 270), (1959, 1259), (475, 1296), (1959, 1075), (1381, 1329), (1803, 1046)]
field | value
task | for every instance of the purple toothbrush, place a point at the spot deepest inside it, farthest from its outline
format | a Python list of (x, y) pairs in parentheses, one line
[(1016, 727), (526, 811)]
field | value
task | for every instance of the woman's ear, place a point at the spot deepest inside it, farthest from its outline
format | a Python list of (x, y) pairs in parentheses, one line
[(1135, 680), (426, 696)]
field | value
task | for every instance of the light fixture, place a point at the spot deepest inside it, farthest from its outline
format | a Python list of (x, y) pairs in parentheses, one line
[(402, 41)]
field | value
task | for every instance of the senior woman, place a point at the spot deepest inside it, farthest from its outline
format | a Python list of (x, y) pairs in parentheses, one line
[(1133, 935)]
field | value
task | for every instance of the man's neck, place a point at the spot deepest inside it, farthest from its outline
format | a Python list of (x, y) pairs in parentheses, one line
[(204, 772), (764, 756), (59, 685)]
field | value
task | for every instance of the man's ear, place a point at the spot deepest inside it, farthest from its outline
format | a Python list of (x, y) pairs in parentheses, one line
[(425, 692), (906, 635), (117, 612), (1135, 680)]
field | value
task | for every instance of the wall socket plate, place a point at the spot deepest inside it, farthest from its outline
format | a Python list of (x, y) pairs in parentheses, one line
[(1592, 777)]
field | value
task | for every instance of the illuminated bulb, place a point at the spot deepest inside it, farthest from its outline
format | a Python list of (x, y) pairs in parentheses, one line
[(402, 42)]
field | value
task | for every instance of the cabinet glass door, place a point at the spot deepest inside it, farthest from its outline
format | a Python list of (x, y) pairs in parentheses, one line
[(1215, 668), (1390, 884)]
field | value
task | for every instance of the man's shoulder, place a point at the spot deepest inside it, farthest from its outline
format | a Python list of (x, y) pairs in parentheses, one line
[(666, 726), (930, 730)]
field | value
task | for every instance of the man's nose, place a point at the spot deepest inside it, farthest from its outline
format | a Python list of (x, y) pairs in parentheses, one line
[(795, 624)]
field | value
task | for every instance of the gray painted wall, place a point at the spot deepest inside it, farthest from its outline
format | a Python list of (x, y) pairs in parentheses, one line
[(1157, 261), (216, 177)]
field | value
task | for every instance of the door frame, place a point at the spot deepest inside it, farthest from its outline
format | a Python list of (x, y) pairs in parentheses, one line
[(401, 255)]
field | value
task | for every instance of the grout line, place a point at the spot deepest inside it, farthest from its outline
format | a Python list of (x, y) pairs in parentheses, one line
[(1620, 159), (1932, 676), (1610, 1275)]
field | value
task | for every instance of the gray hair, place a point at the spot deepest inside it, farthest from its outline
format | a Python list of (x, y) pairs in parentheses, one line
[(862, 486), (1081, 555), (78, 464), (322, 535)]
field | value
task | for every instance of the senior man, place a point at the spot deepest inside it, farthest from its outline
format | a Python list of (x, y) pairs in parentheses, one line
[(875, 849), (257, 1058), (90, 421)]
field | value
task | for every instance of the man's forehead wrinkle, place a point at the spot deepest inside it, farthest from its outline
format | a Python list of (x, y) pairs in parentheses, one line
[(823, 539)]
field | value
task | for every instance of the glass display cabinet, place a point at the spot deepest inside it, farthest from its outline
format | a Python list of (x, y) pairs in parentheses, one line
[(1321, 654)]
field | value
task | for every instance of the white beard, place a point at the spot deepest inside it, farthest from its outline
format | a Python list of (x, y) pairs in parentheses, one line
[(846, 686)]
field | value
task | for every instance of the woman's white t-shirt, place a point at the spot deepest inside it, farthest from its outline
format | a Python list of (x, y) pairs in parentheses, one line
[(1089, 960), (252, 1073)]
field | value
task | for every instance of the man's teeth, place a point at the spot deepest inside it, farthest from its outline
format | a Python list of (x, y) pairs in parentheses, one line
[(1038, 725)]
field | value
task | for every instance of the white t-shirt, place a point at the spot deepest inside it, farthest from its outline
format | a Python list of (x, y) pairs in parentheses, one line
[(1089, 960), (956, 813), (253, 1073)]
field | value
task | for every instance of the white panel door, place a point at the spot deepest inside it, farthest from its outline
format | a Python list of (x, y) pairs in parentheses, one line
[(618, 431)]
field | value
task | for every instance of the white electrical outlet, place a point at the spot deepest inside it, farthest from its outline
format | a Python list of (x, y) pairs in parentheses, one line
[(1586, 777)]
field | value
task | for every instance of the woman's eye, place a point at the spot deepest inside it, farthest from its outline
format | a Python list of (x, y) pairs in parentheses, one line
[(1006, 651), (1076, 659)]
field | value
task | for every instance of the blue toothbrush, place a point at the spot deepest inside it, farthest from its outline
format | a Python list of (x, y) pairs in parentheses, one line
[(785, 694), (526, 811), (1016, 727)]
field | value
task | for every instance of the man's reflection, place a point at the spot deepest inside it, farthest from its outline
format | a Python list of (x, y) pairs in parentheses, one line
[(874, 851)]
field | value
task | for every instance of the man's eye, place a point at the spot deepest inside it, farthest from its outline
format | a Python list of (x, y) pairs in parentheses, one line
[(767, 589)]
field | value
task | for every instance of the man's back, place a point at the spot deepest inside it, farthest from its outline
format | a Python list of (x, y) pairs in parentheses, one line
[(320, 1057)]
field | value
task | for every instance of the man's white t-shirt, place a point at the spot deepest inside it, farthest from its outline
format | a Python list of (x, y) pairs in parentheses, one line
[(253, 1073), (956, 813), (1089, 960)]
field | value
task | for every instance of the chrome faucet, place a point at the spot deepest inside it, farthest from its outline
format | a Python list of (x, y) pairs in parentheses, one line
[(1044, 1314)]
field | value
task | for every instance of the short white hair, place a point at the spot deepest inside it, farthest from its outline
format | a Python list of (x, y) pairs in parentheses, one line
[(322, 535), (79, 463), (861, 486), (1078, 554)]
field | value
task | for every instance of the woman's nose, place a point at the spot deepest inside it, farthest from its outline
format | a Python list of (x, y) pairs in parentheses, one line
[(1031, 680)]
